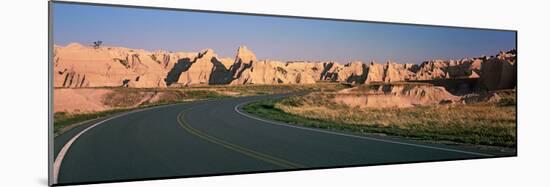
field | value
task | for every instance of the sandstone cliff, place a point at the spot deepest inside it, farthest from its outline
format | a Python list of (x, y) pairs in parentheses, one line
[(76, 65)]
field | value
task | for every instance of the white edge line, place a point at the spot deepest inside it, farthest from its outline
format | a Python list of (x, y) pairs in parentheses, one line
[(236, 108), (63, 151)]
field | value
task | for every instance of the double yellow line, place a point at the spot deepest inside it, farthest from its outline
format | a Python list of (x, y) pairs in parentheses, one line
[(248, 152)]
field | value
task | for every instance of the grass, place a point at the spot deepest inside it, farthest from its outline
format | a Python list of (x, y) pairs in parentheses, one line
[(123, 97), (491, 124), (261, 89), (204, 94)]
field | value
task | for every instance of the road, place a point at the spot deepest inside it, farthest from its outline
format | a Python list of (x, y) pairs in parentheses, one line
[(215, 137)]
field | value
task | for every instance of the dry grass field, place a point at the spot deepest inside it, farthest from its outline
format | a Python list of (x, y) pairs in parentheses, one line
[(483, 123)]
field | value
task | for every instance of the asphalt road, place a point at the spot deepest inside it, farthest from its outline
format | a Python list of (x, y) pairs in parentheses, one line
[(213, 137)]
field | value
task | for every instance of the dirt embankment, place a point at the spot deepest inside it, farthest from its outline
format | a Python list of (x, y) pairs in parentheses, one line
[(79, 100), (408, 95), (89, 100), (386, 96)]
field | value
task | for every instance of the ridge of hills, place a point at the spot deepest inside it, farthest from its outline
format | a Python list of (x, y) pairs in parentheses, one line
[(77, 66)]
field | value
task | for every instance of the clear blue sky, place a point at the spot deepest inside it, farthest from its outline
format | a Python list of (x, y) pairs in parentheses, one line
[(271, 37)]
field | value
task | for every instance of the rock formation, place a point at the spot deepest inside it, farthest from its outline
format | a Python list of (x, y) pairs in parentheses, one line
[(204, 69), (76, 65), (390, 96), (499, 72)]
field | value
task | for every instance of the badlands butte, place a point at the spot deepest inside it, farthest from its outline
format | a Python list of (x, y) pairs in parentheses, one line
[(79, 66)]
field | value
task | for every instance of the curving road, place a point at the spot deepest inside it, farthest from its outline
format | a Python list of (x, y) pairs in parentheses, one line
[(215, 137)]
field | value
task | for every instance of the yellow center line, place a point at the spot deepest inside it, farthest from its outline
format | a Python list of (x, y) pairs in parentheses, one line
[(251, 153)]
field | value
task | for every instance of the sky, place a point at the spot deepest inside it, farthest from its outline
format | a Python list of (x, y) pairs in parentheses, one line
[(275, 38)]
